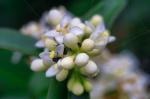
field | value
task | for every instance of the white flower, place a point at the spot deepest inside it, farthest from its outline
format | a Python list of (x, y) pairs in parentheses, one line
[(120, 65), (45, 56), (69, 44), (77, 31), (33, 29), (54, 69)]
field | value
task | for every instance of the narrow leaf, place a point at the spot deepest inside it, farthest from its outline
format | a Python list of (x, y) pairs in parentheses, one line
[(13, 40)]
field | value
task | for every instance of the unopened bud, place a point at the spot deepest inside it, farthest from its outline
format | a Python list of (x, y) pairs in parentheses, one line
[(71, 40), (96, 19), (81, 25), (54, 17), (87, 31), (87, 45), (105, 34), (87, 85), (67, 62), (81, 59), (70, 84), (37, 65), (50, 44), (75, 22), (94, 52), (62, 75), (90, 68), (77, 88)]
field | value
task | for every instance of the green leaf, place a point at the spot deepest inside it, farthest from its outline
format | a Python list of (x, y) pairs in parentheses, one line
[(109, 9), (38, 85), (83, 96), (13, 40), (15, 97), (57, 90)]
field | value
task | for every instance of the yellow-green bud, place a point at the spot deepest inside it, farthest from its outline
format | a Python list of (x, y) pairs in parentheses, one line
[(77, 88), (50, 44), (67, 62), (87, 85), (87, 45), (62, 75), (87, 31), (94, 52), (70, 84), (96, 19)]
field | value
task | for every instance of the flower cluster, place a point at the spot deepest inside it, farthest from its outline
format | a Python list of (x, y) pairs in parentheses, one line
[(121, 76), (69, 45)]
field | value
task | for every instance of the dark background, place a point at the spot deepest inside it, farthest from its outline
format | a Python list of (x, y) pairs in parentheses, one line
[(131, 28)]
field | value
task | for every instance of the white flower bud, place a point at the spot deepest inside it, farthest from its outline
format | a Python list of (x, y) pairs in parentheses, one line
[(62, 75), (75, 22), (54, 16), (96, 19), (87, 85), (90, 68), (50, 44), (37, 65), (67, 62), (77, 88), (81, 59), (71, 40), (87, 45), (81, 25)]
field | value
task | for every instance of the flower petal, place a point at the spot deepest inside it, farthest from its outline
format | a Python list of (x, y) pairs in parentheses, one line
[(89, 25), (99, 29), (111, 39), (76, 30), (60, 50), (66, 19), (52, 71), (46, 57), (59, 39), (51, 34), (101, 43), (40, 44)]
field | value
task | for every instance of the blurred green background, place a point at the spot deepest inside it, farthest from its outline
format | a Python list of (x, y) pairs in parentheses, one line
[(131, 28)]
